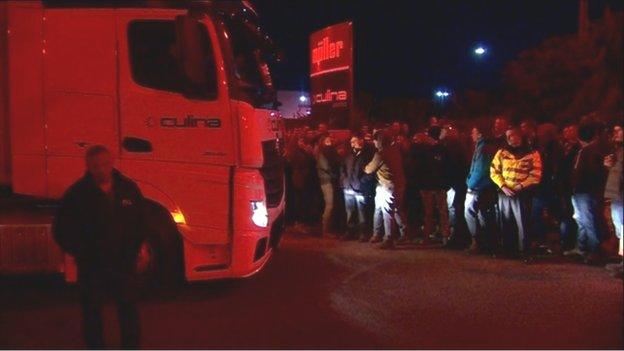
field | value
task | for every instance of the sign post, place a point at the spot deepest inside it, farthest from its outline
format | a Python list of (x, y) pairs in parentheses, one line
[(331, 75)]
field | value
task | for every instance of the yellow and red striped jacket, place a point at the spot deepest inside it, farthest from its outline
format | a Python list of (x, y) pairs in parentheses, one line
[(511, 170)]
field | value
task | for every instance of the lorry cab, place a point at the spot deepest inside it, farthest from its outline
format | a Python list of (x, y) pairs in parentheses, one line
[(182, 95)]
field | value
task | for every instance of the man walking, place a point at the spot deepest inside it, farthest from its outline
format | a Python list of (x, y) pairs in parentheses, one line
[(515, 169), (357, 187), (387, 165), (100, 223)]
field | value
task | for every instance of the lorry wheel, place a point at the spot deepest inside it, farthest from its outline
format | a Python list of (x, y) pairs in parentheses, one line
[(166, 266)]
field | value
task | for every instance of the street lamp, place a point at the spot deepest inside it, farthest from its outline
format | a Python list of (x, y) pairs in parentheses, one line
[(302, 98), (480, 51), (442, 94)]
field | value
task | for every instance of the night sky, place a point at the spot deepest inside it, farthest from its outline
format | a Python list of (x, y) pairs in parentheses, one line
[(410, 48)]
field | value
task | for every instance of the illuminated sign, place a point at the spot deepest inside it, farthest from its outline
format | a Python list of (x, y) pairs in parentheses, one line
[(330, 96), (331, 75)]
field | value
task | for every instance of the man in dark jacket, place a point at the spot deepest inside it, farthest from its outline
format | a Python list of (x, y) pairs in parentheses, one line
[(479, 208), (588, 183), (434, 184), (100, 223), (357, 187), (571, 147), (546, 195)]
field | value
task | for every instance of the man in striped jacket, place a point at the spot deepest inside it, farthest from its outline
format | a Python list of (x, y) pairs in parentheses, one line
[(515, 169)]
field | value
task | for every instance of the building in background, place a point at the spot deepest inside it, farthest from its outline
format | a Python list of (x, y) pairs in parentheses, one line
[(295, 104)]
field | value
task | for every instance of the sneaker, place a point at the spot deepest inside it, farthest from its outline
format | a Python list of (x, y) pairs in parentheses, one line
[(473, 248), (543, 250), (375, 239), (424, 242), (402, 241), (616, 270), (447, 243), (526, 258), (387, 245), (573, 252), (594, 259), (614, 267)]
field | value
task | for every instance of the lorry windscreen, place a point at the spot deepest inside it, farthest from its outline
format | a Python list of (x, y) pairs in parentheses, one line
[(251, 63)]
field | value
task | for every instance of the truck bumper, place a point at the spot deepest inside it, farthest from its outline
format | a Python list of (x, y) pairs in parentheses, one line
[(245, 255)]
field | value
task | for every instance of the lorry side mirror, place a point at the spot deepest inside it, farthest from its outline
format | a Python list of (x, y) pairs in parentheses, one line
[(191, 53)]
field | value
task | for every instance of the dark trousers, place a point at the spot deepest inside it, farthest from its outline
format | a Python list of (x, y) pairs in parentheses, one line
[(455, 199), (480, 213), (514, 214), (543, 201), (96, 287)]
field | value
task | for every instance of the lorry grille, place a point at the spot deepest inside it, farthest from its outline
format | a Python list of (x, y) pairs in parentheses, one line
[(273, 173)]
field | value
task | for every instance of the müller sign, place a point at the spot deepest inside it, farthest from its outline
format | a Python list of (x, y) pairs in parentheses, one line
[(331, 75)]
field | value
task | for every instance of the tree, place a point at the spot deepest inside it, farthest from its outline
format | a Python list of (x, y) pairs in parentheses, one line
[(568, 76)]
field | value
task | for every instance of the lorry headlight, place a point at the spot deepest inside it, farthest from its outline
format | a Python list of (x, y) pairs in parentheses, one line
[(259, 214), (178, 217)]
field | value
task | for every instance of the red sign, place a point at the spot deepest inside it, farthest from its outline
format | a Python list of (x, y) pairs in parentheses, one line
[(331, 74)]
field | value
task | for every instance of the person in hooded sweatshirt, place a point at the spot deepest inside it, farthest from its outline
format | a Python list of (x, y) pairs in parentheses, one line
[(516, 170)]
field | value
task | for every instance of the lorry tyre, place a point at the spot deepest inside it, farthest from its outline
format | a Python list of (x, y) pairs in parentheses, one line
[(165, 267)]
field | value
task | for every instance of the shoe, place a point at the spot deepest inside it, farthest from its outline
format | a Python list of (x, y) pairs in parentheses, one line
[(543, 250), (473, 248), (448, 243), (375, 239), (526, 258), (573, 253), (387, 245), (363, 239), (402, 241), (594, 259), (614, 267)]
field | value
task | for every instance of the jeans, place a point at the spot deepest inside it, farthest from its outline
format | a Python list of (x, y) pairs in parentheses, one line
[(616, 217), (328, 198), (542, 202), (435, 200), (567, 227), (479, 210), (587, 215), (355, 206), (455, 200), (514, 214), (388, 211)]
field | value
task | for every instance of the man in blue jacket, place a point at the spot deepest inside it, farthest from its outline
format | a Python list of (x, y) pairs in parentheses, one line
[(479, 208)]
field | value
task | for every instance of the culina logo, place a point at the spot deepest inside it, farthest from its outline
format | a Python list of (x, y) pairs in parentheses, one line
[(190, 121)]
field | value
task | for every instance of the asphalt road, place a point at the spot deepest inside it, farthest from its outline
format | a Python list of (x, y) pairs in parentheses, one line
[(321, 293)]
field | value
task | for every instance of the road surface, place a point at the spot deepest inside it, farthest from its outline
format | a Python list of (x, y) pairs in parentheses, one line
[(322, 293)]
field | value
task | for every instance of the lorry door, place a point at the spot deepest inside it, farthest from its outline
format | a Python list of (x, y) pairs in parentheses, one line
[(176, 130), (80, 94)]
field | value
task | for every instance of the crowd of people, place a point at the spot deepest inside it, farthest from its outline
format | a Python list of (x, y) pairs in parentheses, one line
[(487, 187)]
